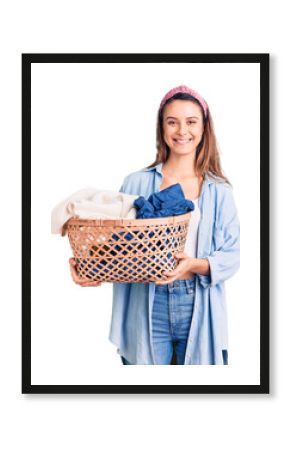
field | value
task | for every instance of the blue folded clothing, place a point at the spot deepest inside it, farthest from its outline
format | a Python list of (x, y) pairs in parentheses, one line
[(168, 202)]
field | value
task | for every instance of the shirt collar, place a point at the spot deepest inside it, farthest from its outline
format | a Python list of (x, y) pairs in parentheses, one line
[(158, 168)]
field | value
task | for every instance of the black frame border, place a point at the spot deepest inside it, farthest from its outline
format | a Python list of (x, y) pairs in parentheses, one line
[(261, 58)]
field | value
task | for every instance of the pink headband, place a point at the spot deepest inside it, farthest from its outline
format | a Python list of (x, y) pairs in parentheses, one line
[(185, 90)]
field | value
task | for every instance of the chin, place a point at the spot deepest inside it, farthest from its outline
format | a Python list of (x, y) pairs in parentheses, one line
[(183, 151)]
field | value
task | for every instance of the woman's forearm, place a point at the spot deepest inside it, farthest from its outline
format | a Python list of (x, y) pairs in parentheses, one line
[(200, 266)]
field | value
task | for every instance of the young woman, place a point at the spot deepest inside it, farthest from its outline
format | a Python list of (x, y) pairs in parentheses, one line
[(186, 312)]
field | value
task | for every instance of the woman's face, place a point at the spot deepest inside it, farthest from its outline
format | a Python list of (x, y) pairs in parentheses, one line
[(182, 126)]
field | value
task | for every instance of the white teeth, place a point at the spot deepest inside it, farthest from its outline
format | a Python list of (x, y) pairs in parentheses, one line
[(182, 141)]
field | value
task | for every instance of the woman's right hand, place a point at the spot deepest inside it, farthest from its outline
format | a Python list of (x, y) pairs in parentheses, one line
[(77, 279)]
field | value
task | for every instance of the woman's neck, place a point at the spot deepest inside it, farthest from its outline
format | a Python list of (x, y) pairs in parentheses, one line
[(180, 167)]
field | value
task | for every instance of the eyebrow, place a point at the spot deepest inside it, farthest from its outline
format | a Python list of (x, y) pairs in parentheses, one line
[(171, 117)]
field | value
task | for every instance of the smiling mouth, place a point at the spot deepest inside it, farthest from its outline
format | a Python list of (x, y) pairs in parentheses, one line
[(182, 141)]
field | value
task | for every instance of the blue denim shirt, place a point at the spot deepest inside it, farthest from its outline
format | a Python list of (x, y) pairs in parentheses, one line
[(219, 242)]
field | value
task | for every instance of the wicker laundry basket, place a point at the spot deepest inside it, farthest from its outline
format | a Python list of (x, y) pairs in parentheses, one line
[(126, 250)]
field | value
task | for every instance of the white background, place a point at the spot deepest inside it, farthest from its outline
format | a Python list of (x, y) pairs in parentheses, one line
[(89, 421), (92, 124)]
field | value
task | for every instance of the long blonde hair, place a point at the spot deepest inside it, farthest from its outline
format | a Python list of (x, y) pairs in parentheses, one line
[(207, 159)]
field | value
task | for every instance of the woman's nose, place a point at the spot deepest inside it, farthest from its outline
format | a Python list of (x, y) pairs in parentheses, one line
[(182, 128)]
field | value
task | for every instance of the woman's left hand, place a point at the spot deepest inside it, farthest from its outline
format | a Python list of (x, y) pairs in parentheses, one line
[(185, 264)]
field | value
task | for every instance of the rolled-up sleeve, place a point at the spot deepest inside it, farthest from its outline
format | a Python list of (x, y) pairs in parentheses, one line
[(224, 259)]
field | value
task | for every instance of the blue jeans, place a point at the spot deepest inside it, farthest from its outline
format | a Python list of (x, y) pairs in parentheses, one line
[(171, 319)]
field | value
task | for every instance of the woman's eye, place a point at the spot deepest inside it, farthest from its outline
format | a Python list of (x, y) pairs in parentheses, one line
[(171, 122)]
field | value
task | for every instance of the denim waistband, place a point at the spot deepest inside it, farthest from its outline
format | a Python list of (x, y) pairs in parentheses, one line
[(189, 285)]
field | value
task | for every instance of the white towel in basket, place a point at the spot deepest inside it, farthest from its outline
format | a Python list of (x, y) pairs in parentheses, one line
[(92, 204)]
